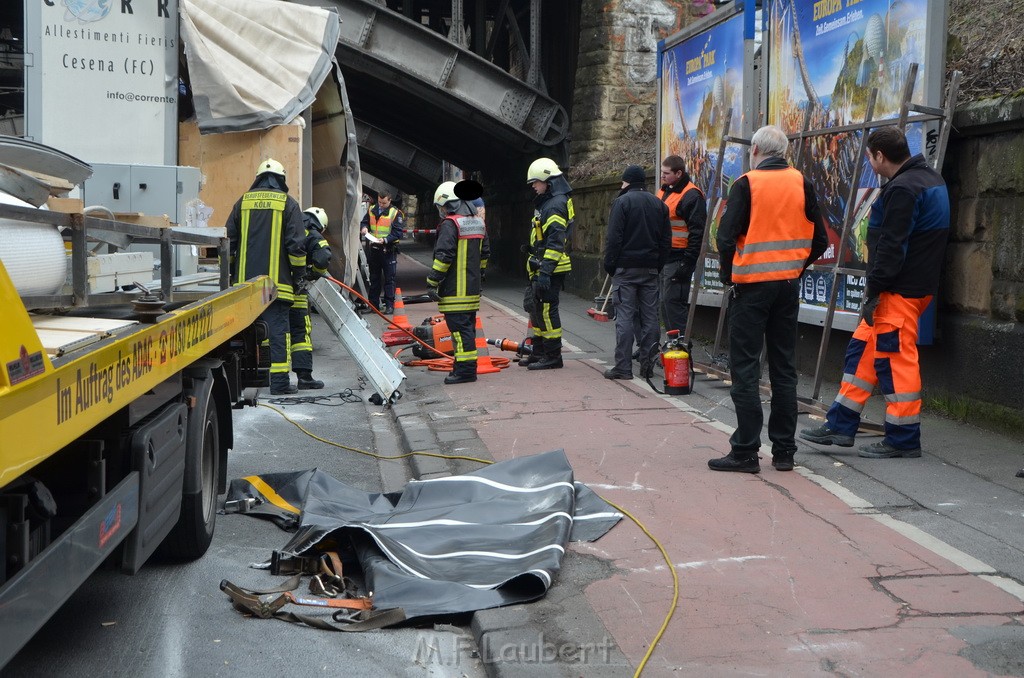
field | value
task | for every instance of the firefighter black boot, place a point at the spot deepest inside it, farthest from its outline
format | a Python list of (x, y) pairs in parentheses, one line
[(456, 378), (307, 382), (462, 373), (551, 358), (280, 385), (536, 353)]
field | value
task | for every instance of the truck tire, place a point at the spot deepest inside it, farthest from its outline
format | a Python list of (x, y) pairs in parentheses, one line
[(191, 536)]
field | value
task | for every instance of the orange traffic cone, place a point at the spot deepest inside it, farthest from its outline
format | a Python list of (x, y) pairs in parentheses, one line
[(484, 364), (399, 319)]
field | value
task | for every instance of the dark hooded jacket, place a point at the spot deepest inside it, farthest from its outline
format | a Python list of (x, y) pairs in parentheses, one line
[(318, 252), (639, 232)]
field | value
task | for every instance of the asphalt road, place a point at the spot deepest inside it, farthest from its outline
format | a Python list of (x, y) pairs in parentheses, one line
[(172, 619)]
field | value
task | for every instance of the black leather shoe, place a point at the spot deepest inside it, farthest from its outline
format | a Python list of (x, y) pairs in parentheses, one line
[(284, 390), (782, 462), (547, 363), (612, 373), (730, 462), (825, 435), (453, 378), (883, 450), (309, 384), (646, 370), (528, 360)]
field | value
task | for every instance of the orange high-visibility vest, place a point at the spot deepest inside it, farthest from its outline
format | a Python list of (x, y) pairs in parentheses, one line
[(778, 239), (680, 229), (380, 226)]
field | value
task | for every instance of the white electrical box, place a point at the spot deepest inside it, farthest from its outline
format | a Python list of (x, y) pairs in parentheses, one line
[(143, 189), (153, 190)]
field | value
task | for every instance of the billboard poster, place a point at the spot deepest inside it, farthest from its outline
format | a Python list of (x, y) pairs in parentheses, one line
[(101, 78), (829, 55), (701, 79)]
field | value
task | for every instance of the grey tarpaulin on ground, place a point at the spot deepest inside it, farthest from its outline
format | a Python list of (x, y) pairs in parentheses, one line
[(445, 545)]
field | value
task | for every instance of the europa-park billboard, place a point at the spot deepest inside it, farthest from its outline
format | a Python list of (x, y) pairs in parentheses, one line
[(101, 78), (705, 71), (828, 55)]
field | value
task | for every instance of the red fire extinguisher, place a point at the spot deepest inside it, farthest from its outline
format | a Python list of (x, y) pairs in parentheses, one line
[(678, 366)]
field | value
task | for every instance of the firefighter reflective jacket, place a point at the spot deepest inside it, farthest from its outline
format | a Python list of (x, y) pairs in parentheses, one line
[(267, 237), (460, 256), (318, 252), (552, 224), (680, 227), (778, 242)]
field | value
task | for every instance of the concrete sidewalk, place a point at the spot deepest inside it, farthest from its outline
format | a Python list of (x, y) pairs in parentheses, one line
[(798, 573)]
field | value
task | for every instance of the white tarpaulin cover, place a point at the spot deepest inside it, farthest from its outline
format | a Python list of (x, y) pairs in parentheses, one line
[(255, 63)]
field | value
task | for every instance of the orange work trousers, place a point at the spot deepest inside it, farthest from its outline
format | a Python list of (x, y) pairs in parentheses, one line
[(885, 355)]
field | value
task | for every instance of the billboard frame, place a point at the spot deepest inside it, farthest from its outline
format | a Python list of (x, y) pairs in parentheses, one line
[(752, 109)]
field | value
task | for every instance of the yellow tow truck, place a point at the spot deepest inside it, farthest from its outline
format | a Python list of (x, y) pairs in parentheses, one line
[(115, 420)]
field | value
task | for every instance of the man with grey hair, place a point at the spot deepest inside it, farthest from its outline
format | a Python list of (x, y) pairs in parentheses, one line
[(771, 232)]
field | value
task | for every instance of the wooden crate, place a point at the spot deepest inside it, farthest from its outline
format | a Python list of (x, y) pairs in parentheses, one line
[(228, 162)]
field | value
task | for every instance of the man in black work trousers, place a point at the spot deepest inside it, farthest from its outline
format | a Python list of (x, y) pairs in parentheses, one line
[(382, 227), (267, 237), (636, 247), (688, 215), (454, 281), (771, 232)]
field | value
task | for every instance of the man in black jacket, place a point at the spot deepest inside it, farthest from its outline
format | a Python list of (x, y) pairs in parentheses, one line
[(772, 230), (636, 247), (268, 238)]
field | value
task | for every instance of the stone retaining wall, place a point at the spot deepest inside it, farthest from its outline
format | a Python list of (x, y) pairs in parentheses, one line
[(616, 76)]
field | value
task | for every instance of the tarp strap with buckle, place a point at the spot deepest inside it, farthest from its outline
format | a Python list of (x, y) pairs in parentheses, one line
[(353, 614)]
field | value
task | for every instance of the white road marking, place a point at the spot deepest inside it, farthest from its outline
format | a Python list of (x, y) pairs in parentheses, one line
[(918, 536)]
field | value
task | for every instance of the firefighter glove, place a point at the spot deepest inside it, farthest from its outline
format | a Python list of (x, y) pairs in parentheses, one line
[(870, 304), (542, 282), (432, 293)]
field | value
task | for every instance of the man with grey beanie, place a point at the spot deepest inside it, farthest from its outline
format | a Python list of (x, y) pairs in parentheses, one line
[(636, 247)]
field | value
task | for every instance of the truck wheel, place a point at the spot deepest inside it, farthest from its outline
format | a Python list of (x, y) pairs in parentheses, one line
[(191, 536)]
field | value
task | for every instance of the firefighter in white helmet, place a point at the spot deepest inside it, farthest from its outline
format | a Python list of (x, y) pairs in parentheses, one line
[(267, 238), (460, 257), (548, 261), (318, 256)]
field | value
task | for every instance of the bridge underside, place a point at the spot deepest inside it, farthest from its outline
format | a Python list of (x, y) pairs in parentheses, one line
[(420, 99)]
